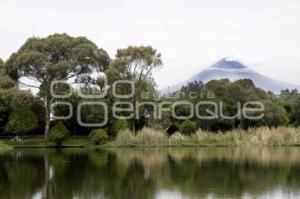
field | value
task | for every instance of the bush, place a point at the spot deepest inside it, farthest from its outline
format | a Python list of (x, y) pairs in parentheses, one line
[(173, 128), (98, 136), (58, 134), (118, 125), (188, 127), (21, 120)]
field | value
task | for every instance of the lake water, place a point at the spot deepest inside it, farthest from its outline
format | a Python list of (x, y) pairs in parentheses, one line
[(158, 173)]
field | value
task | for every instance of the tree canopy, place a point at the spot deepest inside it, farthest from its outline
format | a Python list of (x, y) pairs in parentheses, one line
[(136, 64), (56, 57), (40, 61)]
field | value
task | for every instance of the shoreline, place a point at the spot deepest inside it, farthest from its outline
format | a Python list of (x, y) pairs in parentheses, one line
[(150, 138)]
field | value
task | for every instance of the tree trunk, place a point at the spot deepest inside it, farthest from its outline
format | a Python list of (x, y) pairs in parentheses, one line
[(47, 118), (47, 127), (47, 176), (134, 114), (49, 188)]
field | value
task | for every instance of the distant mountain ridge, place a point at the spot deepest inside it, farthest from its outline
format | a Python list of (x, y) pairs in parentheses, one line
[(228, 68), (228, 63)]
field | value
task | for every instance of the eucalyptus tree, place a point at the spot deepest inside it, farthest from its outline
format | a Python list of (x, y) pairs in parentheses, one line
[(40, 61), (135, 64)]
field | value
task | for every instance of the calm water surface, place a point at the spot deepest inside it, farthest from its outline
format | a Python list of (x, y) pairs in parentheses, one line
[(151, 173)]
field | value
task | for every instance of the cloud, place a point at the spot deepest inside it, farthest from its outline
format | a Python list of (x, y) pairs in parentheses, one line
[(189, 34)]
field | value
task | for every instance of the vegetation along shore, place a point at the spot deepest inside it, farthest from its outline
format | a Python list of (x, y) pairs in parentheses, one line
[(262, 136), (39, 109)]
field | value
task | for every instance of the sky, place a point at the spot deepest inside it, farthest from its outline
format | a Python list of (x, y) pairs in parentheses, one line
[(190, 34)]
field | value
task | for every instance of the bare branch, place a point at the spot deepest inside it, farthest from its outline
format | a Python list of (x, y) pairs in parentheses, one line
[(34, 79), (32, 86)]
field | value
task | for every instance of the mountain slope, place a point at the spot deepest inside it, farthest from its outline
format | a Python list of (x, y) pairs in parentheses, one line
[(234, 70)]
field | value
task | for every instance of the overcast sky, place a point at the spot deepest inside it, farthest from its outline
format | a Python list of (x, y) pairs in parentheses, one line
[(190, 34)]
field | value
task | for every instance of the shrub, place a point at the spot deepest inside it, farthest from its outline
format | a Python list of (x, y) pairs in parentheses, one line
[(188, 127), (98, 136), (119, 125), (21, 120), (58, 134), (173, 128)]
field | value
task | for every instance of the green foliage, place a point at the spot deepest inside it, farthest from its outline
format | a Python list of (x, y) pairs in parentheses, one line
[(5, 81), (275, 115), (16, 98), (56, 57), (156, 126), (3, 114), (2, 67), (188, 127), (262, 136), (21, 120), (58, 134), (98, 136), (118, 125), (295, 113), (11, 98), (92, 114), (60, 56), (135, 63), (230, 94)]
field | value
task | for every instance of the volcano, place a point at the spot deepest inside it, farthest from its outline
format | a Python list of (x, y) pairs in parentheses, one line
[(228, 68)]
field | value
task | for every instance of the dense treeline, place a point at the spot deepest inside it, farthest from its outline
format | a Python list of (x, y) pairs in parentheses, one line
[(279, 110), (62, 57)]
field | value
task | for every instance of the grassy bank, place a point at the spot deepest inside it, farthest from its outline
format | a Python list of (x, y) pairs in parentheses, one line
[(36, 142), (283, 136), (4, 147)]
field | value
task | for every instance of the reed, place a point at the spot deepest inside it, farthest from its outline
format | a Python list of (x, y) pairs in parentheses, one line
[(264, 136)]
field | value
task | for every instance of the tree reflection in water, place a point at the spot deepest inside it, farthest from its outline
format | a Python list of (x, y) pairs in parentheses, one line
[(146, 173)]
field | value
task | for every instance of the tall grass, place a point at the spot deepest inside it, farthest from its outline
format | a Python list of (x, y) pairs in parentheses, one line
[(282, 136), (145, 137), (4, 147)]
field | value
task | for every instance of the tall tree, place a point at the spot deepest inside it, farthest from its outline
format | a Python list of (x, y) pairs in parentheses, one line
[(56, 57), (135, 63)]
